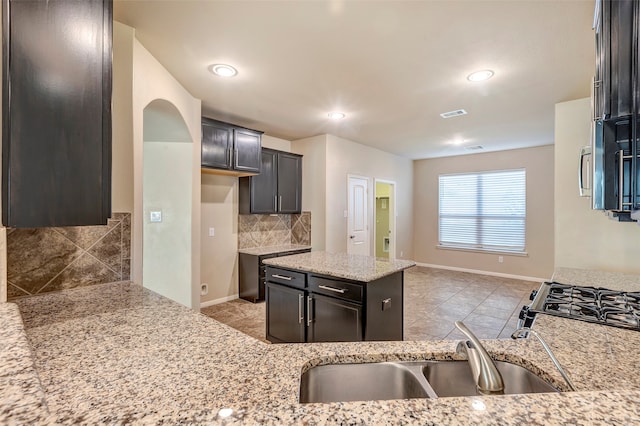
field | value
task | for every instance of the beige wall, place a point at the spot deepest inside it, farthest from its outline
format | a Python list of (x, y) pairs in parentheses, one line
[(219, 210), (167, 244), (122, 116), (151, 82), (334, 158), (585, 238), (346, 157), (538, 163), (314, 184)]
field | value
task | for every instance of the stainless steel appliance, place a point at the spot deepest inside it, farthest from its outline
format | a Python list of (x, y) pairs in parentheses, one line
[(598, 305), (610, 166)]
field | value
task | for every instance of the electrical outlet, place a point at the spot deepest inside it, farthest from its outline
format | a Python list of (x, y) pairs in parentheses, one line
[(500, 259), (212, 232), (401, 253), (204, 289)]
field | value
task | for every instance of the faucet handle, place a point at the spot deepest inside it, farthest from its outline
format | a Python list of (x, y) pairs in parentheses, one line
[(488, 378)]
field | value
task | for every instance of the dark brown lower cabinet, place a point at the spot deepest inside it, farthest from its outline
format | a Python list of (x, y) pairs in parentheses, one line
[(334, 320), (305, 307), (285, 317), (251, 273)]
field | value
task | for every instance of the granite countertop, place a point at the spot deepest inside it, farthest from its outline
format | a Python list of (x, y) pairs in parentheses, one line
[(592, 278), (342, 265), (118, 353), (261, 251)]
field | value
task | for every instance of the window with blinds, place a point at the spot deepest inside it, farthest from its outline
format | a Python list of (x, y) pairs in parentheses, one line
[(483, 211)]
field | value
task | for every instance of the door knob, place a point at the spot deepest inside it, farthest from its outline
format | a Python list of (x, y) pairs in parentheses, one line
[(352, 236)]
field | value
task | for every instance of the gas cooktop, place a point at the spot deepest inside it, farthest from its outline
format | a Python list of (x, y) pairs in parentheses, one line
[(598, 305)]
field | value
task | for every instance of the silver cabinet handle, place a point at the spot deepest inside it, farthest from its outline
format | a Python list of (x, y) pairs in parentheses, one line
[(309, 320), (275, 202), (229, 157), (585, 191), (282, 277), (620, 179), (300, 309), (335, 290), (280, 203)]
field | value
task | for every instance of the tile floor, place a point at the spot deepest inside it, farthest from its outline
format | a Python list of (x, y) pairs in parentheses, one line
[(433, 300)]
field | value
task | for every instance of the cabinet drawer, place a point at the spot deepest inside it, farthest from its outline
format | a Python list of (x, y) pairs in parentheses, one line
[(286, 277), (342, 289)]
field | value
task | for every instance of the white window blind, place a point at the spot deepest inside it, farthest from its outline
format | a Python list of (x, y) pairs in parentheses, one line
[(483, 211)]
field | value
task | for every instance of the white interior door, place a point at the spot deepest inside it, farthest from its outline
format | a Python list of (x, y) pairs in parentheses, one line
[(358, 216)]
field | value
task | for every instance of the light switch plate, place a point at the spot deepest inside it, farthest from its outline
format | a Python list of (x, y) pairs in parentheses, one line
[(212, 232), (155, 216)]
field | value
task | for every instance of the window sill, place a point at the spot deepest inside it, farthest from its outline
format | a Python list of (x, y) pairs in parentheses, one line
[(486, 251)]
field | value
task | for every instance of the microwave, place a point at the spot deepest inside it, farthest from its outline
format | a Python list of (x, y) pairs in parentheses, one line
[(609, 169)]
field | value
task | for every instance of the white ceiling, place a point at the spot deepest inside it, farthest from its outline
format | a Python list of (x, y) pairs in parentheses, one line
[(391, 66)]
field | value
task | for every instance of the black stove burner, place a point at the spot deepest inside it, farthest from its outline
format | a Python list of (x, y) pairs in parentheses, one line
[(610, 307)]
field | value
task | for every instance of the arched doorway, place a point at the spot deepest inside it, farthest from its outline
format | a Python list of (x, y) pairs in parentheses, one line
[(167, 205)]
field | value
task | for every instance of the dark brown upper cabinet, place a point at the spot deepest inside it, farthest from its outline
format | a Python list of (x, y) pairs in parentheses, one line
[(56, 151), (229, 149), (616, 89), (278, 187)]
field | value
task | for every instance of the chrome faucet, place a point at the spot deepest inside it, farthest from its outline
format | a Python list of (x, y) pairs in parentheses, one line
[(546, 347), (488, 378)]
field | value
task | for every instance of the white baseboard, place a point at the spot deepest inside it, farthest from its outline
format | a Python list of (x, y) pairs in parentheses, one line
[(479, 272), (218, 301)]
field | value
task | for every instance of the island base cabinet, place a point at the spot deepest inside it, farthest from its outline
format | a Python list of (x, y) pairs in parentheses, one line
[(333, 320), (384, 315), (285, 314), (305, 307)]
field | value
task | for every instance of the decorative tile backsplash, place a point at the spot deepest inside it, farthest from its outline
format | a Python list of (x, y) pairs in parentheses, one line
[(263, 230), (40, 260)]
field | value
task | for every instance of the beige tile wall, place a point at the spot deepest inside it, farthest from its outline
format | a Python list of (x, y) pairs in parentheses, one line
[(263, 230), (51, 259)]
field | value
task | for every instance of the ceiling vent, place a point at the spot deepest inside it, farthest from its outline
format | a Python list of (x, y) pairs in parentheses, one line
[(474, 148), (453, 113)]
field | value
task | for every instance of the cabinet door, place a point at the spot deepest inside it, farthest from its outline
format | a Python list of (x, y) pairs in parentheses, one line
[(289, 183), (57, 113), (333, 320), (285, 314), (246, 150), (622, 66), (217, 144), (264, 185), (600, 97)]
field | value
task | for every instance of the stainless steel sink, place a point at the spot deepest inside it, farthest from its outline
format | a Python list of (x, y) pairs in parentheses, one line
[(364, 382), (407, 379), (453, 378)]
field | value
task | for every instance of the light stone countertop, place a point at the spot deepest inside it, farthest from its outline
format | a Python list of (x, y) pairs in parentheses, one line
[(261, 251), (341, 265), (593, 278), (118, 353)]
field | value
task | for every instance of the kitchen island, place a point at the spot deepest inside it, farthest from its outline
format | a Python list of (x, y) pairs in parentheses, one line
[(334, 297), (118, 353)]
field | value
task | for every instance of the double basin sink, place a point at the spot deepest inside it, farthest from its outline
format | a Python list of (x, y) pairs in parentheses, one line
[(408, 379)]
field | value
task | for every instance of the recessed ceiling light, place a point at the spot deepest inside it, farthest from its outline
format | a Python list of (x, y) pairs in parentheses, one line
[(223, 70), (336, 115), (480, 75)]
